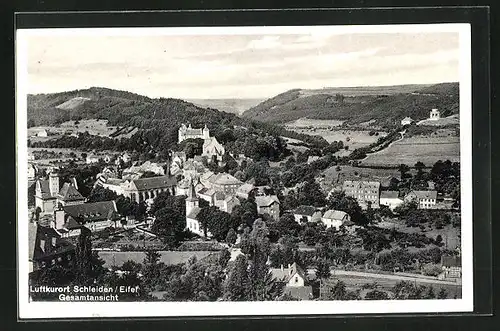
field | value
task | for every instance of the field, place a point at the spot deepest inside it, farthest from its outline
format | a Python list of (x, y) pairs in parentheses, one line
[(94, 127), (333, 177), (168, 257), (354, 282), (326, 129), (449, 234), (411, 150), (307, 122)]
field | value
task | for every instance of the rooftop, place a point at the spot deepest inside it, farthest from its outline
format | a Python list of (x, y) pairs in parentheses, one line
[(389, 195), (154, 182), (424, 194), (92, 211), (264, 201), (334, 214)]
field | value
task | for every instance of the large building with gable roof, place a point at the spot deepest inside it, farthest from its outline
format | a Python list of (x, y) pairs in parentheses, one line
[(49, 194)]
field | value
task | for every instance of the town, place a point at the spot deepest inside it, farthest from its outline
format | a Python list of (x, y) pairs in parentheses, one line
[(235, 212)]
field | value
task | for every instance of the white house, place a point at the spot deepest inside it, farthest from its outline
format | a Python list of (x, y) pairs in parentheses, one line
[(425, 199), (390, 199), (42, 133), (309, 213), (406, 121), (434, 114), (335, 218)]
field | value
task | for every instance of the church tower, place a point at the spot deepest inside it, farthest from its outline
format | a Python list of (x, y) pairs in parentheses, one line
[(53, 183), (192, 199), (206, 133)]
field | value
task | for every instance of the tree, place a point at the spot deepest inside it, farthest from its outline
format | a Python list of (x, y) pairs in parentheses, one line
[(430, 293), (169, 225), (419, 166), (224, 257), (231, 237), (442, 293), (339, 201), (310, 194), (84, 257), (151, 269), (322, 270), (403, 170), (236, 287), (376, 295), (216, 221)]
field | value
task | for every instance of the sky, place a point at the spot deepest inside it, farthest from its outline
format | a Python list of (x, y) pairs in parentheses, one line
[(239, 65)]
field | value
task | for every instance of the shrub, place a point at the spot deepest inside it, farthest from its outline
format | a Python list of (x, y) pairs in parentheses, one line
[(431, 269)]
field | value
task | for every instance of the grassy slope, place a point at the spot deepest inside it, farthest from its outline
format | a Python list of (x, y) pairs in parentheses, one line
[(385, 109)]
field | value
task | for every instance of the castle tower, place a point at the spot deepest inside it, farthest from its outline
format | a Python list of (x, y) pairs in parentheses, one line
[(192, 199), (53, 183), (206, 133), (182, 131)]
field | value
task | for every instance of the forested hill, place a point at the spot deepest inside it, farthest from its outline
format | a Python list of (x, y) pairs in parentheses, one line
[(158, 121), (385, 105)]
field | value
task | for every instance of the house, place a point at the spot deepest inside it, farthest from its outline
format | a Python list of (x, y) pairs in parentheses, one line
[(312, 158), (142, 189), (32, 171), (245, 190), (425, 199), (49, 194), (192, 211), (268, 205), (42, 133), (390, 199), (452, 267), (46, 248), (207, 194), (294, 279), (309, 213), (95, 216), (407, 121), (187, 132), (212, 148), (335, 218), (434, 114), (92, 159), (148, 166), (69, 195), (365, 192), (224, 182), (226, 202)]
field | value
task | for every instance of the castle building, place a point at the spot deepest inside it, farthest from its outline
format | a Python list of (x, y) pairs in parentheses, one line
[(365, 192), (190, 133)]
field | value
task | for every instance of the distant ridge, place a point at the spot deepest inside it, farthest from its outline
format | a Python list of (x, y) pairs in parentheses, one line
[(383, 105)]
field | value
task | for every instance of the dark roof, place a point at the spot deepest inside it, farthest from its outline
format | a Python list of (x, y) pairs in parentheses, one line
[(451, 261), (71, 223), (69, 193), (44, 187), (424, 194), (151, 183), (389, 195), (92, 211), (194, 213), (286, 274), (265, 201), (305, 210), (299, 292)]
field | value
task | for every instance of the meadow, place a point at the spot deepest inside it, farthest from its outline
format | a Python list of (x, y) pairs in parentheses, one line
[(409, 151)]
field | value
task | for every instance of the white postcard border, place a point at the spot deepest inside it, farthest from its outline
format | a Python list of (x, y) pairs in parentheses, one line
[(47, 310)]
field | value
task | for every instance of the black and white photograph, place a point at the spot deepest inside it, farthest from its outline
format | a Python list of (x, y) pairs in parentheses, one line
[(206, 171)]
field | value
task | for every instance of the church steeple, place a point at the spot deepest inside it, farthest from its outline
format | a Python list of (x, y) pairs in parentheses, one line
[(192, 199)]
